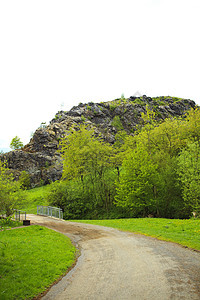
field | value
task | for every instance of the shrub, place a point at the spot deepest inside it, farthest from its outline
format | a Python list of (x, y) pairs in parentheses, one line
[(116, 122), (24, 180)]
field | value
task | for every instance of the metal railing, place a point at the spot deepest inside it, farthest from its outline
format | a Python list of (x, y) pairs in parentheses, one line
[(50, 211), (20, 215)]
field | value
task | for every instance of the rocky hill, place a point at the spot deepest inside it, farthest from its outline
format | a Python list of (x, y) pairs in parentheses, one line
[(40, 157)]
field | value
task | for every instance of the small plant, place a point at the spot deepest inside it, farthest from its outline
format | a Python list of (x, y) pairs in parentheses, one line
[(89, 107), (139, 101), (113, 106), (41, 182), (46, 164), (116, 122), (16, 143), (43, 125), (8, 223), (83, 118)]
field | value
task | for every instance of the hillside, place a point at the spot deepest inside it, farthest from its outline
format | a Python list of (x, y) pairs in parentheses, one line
[(40, 157)]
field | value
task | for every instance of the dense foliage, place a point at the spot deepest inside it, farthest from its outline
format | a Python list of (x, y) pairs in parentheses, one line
[(155, 172), (10, 192)]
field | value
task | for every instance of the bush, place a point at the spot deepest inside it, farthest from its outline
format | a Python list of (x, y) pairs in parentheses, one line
[(9, 191), (24, 180)]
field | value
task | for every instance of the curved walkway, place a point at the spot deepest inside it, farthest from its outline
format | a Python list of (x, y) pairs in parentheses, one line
[(121, 265)]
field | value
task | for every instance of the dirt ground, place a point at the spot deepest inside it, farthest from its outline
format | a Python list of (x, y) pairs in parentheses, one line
[(120, 265)]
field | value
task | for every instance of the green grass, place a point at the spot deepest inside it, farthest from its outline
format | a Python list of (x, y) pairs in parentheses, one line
[(31, 259), (184, 232), (9, 223), (34, 197)]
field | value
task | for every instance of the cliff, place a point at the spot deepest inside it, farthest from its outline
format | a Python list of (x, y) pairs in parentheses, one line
[(40, 157)]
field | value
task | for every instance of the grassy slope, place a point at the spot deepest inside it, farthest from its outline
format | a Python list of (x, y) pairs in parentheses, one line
[(33, 198), (31, 259), (184, 232)]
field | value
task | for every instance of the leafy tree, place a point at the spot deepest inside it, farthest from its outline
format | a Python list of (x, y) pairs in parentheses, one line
[(136, 186), (9, 191), (148, 173), (189, 176), (71, 198), (149, 180), (16, 143), (88, 159)]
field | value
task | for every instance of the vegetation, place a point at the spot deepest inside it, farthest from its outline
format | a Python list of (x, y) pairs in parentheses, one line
[(16, 143), (116, 122), (88, 175), (183, 232), (24, 180), (10, 192), (6, 223), (154, 172), (34, 197), (30, 262), (153, 181)]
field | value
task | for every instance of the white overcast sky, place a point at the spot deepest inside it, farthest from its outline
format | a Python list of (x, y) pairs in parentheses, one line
[(55, 54)]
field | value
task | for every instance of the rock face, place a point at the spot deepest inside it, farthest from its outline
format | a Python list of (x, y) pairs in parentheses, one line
[(40, 157)]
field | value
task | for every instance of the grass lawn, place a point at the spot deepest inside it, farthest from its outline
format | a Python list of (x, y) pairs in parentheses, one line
[(184, 232), (35, 197), (31, 259)]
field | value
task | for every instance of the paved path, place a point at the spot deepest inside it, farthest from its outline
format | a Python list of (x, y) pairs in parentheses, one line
[(121, 265)]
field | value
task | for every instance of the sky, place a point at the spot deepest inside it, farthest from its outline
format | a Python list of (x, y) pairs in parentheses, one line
[(56, 54)]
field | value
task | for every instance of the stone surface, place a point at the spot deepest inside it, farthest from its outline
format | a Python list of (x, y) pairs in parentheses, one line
[(40, 157)]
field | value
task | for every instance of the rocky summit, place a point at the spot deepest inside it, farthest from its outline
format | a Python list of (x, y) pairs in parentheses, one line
[(40, 157)]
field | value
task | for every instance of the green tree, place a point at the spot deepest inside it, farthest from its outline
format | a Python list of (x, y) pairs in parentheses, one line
[(189, 176), (16, 143), (88, 159), (9, 191), (136, 186)]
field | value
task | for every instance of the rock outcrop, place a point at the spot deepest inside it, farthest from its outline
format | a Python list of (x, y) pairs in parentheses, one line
[(40, 157)]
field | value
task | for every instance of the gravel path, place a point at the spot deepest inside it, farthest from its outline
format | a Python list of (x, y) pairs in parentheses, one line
[(121, 265)]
